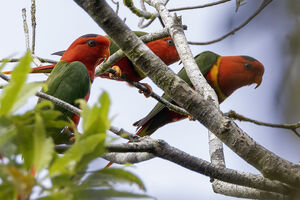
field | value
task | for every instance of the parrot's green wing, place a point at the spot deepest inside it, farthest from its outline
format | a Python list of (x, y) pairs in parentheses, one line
[(68, 82), (113, 48), (204, 60)]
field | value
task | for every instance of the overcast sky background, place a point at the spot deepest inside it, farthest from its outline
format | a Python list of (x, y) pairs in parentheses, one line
[(59, 23)]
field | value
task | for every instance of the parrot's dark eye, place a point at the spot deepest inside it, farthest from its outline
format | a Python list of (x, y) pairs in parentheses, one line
[(247, 66), (170, 42), (91, 43)]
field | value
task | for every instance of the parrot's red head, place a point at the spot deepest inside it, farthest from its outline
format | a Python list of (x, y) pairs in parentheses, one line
[(238, 71), (165, 49), (90, 49)]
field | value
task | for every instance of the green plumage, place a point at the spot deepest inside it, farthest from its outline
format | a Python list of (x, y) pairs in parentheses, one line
[(68, 82), (156, 118)]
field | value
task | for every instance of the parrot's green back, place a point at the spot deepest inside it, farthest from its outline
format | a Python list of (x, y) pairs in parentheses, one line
[(113, 48), (205, 61), (68, 82)]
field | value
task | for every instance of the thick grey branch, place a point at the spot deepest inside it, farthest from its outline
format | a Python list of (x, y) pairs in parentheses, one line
[(232, 190), (163, 150), (148, 148), (205, 111)]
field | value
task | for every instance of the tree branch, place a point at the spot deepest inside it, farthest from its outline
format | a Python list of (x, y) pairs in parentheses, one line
[(197, 7), (150, 148), (43, 60), (33, 24), (293, 127), (25, 26), (141, 13), (141, 87), (268, 163), (262, 6), (120, 54)]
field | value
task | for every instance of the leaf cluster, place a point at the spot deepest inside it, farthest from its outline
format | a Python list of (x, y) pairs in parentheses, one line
[(30, 168)]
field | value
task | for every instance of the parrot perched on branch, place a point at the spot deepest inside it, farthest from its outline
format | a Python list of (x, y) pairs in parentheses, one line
[(71, 77), (225, 74), (163, 48)]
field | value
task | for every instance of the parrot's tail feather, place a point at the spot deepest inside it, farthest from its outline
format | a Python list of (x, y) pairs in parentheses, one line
[(43, 69), (108, 165), (7, 72)]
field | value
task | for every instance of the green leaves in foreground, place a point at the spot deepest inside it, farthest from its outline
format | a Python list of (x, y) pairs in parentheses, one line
[(27, 152), (17, 91)]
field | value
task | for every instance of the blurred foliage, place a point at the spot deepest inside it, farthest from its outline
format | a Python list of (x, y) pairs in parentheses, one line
[(291, 80), (30, 168)]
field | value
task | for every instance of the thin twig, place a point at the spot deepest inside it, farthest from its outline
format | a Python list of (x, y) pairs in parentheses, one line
[(155, 15), (43, 60), (153, 95), (25, 26), (141, 13), (197, 7), (293, 127), (238, 4), (33, 24), (262, 6), (117, 5), (124, 134)]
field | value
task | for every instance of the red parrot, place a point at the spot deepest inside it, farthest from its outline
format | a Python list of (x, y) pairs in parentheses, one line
[(225, 74), (163, 48), (72, 75)]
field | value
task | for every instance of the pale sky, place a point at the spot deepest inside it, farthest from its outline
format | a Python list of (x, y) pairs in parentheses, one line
[(61, 22)]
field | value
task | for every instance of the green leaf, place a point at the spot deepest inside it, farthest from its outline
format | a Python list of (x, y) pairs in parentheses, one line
[(22, 182), (114, 175), (105, 102), (7, 191), (11, 92), (4, 62), (7, 135), (57, 196), (43, 147), (26, 91), (37, 150), (95, 118), (104, 194), (93, 144)]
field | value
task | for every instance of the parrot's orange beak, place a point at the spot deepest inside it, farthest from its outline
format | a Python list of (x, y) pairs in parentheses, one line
[(258, 80)]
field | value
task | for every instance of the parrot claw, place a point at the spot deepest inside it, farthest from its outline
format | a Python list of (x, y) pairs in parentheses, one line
[(149, 90), (117, 70), (191, 118)]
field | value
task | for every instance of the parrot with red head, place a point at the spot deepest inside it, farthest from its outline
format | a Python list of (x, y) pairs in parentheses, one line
[(163, 48), (71, 77), (225, 74)]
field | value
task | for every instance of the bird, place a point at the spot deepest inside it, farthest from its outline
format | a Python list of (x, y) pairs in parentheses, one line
[(164, 48), (71, 77), (225, 74)]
